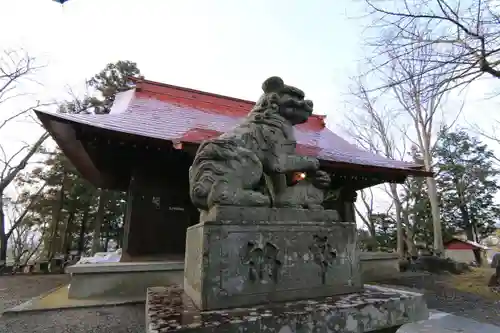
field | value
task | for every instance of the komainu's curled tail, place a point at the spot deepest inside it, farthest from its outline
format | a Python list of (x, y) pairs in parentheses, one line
[(224, 172), (208, 166)]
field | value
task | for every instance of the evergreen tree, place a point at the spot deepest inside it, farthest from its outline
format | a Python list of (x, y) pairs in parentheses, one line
[(467, 181), (70, 213), (113, 79), (385, 231)]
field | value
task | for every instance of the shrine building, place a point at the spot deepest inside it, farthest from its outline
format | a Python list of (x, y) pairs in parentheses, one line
[(146, 145)]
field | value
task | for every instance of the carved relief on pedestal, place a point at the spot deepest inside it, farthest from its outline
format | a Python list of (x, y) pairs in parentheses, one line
[(324, 254), (262, 261)]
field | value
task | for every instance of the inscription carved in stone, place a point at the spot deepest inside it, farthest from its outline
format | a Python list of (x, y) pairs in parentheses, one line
[(262, 261), (323, 253)]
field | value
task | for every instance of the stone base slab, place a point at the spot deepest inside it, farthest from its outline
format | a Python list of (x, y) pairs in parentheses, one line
[(239, 256), (168, 309), (121, 280), (376, 266)]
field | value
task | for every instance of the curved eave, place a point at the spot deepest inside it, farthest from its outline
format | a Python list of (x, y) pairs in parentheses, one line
[(64, 134), (391, 173), (370, 169)]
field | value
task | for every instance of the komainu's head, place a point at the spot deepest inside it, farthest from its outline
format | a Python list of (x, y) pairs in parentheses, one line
[(285, 100)]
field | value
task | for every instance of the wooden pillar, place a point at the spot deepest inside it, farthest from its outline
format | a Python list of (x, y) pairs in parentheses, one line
[(349, 197), (342, 201)]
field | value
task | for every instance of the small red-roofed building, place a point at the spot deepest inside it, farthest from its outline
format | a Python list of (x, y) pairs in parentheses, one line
[(466, 251), (146, 145)]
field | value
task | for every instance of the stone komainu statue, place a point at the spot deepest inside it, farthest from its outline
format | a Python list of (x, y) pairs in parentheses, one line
[(252, 164)]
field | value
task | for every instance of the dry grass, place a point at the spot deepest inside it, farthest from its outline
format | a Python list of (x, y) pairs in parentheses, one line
[(475, 282)]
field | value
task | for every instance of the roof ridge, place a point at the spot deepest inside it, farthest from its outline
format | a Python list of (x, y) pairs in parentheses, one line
[(196, 91), (138, 82)]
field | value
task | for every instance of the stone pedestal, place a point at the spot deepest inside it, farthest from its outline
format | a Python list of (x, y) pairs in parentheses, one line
[(276, 271), (241, 256)]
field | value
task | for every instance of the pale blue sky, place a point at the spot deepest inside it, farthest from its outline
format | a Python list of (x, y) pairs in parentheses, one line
[(222, 46)]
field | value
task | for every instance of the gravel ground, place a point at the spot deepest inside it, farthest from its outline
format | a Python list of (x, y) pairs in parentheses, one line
[(130, 319)]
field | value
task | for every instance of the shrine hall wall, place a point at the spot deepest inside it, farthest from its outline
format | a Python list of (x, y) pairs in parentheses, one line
[(159, 211)]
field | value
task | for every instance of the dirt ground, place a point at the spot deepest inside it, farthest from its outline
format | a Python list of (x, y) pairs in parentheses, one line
[(442, 295), (15, 290), (476, 282)]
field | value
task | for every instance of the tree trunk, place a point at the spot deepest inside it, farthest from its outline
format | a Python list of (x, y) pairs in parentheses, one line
[(469, 228), (3, 237), (106, 242), (99, 220), (3, 248), (65, 234), (423, 127), (56, 215), (81, 236), (436, 218), (399, 224)]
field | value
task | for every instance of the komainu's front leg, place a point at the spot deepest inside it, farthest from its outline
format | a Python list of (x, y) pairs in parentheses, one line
[(292, 163)]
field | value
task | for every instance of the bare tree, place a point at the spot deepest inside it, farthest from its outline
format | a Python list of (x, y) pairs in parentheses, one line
[(366, 197), (464, 35), (418, 97), (16, 68), (374, 129), (421, 98), (20, 210), (25, 241)]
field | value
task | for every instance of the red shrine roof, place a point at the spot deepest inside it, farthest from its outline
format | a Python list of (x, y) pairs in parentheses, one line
[(183, 115)]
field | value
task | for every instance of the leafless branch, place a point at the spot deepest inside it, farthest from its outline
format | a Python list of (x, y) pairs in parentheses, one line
[(22, 112), (463, 35), (10, 175), (15, 66), (25, 210)]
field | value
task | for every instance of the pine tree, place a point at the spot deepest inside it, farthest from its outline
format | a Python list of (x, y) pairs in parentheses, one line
[(385, 231), (467, 181), (113, 79), (68, 214)]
